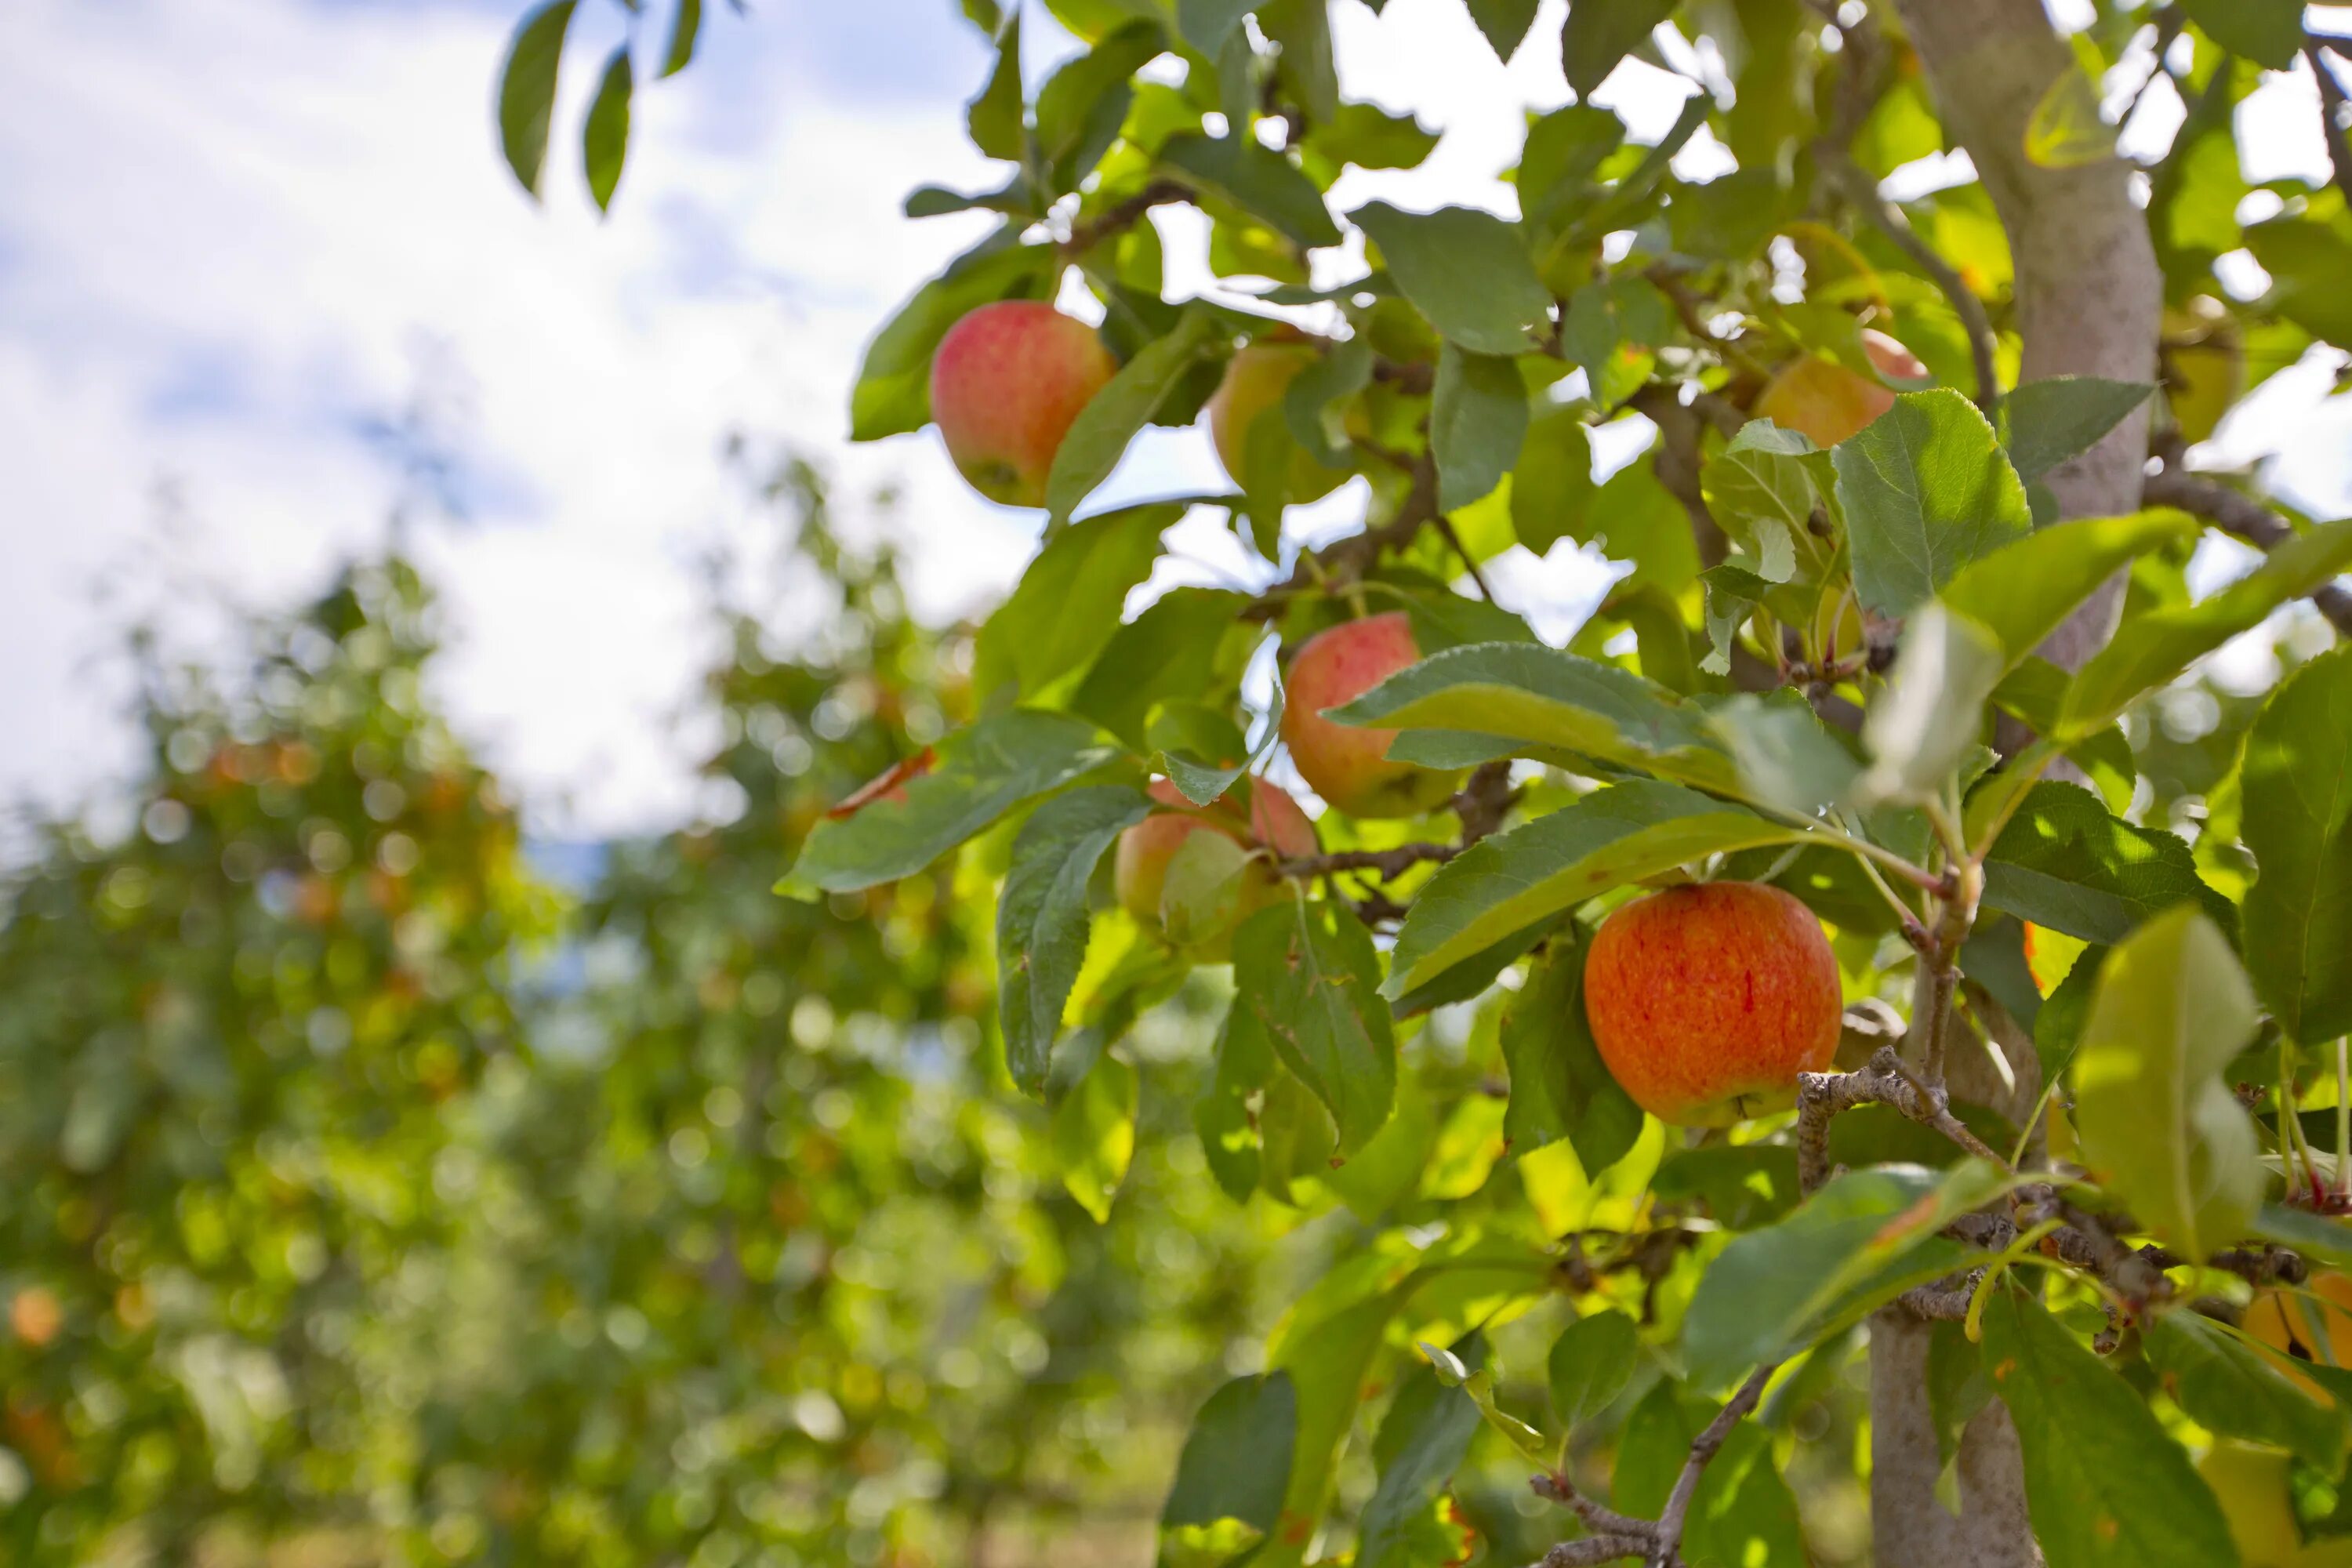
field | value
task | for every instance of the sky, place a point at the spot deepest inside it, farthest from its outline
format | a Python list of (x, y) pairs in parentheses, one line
[(255, 255)]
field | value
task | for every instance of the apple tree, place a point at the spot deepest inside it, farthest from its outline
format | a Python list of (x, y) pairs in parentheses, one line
[(1903, 629)]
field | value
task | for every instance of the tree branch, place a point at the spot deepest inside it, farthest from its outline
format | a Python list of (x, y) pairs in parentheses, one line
[(1121, 216), (2331, 107), (1665, 1551), (1345, 560), (2234, 512), (1862, 191), (1387, 862)]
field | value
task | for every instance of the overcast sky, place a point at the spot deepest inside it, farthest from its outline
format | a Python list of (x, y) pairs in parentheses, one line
[(240, 240)]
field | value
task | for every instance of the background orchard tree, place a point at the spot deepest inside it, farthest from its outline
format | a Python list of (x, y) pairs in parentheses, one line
[(1906, 562)]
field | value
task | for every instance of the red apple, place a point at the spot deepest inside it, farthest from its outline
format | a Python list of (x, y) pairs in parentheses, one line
[(1006, 381), (1350, 767), (1827, 402), (1252, 815), (1707, 1001)]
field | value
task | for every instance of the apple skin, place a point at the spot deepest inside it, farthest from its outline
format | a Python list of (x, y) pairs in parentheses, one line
[(2289, 1321), (1139, 863), (1006, 381), (1707, 1000), (1350, 767), (1828, 403), (1254, 380)]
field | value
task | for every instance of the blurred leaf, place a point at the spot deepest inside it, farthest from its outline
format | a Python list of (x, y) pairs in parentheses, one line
[(1370, 137), (604, 140), (1236, 1461), (1081, 105), (2307, 258), (1592, 1361), (1786, 755), (1926, 491), (1466, 270), (1551, 482), (2065, 130), (1742, 1512), (1257, 179), (1098, 437), (527, 90), (1609, 330), (1858, 1243), (1560, 1086), (1744, 1185), (1477, 417), (1201, 896), (1169, 653), (2024, 591), (1613, 837), (2063, 862), (685, 27), (1600, 33), (2327, 1240), (2044, 423), (1421, 1440), (2157, 645), (2107, 1485), (1205, 23), (2157, 1123), (1067, 604), (994, 119), (2226, 1385), (1308, 973), (980, 774), (1041, 918), (2297, 780), (1504, 23), (2268, 32), (1094, 1133), (1311, 403), (1928, 716)]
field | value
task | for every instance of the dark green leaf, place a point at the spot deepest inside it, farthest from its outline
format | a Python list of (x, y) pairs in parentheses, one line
[(1466, 270), (2226, 1385), (936, 201), (1609, 330), (1505, 23), (1551, 484), (1257, 179), (1309, 403), (1560, 1086), (1764, 490), (1229, 1135), (1067, 604), (1094, 1132), (2297, 780), (1306, 68), (980, 774), (1081, 105), (1204, 24), (1236, 1462), (1370, 137), (2327, 1240), (1732, 595), (1098, 438), (604, 140), (1308, 973), (1422, 1440), (1042, 920), (2048, 421), (1169, 653), (1479, 417), (527, 90), (1592, 1361), (1743, 1185), (1600, 33), (1926, 491), (994, 118), (2157, 1122), (2064, 862), (1786, 755), (2268, 32), (2107, 1485)]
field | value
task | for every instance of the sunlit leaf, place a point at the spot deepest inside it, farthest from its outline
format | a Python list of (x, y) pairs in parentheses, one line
[(2297, 782)]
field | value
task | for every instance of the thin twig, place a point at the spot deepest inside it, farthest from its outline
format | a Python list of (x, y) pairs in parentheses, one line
[(1983, 347), (1387, 862), (1344, 562), (1665, 1549), (1115, 219), (1594, 1549)]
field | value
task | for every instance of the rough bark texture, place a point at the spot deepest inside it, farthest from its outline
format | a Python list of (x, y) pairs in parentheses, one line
[(2088, 302)]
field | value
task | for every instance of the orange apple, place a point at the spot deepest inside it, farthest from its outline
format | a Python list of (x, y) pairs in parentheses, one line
[(1252, 814), (2292, 1323), (1827, 402), (1707, 1000), (1253, 382), (1006, 381), (1350, 767)]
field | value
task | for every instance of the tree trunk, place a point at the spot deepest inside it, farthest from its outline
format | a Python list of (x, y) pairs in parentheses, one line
[(2088, 302)]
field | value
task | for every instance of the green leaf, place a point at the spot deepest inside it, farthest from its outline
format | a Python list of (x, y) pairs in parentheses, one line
[(1097, 437), (1422, 1440), (1229, 1132), (2024, 591), (1600, 33), (2064, 862), (2324, 1240), (893, 395), (1067, 604), (1926, 720), (1565, 149), (1171, 652), (527, 90), (2225, 1384), (1732, 595), (2045, 422), (2159, 1124), (1369, 137), (2268, 32), (1042, 920), (1465, 270), (1609, 330), (2065, 130), (1765, 489), (2153, 646), (1201, 898), (1310, 403), (1306, 67), (685, 27), (1326, 1342), (1611, 838), (604, 140), (1551, 483), (1204, 24), (2106, 1486), (1257, 179), (1094, 1133), (1543, 697), (1560, 1086), (979, 773), (2297, 780), (1742, 1513), (1308, 973), (1926, 491), (1861, 1240), (994, 118), (1786, 755), (1743, 1185), (1478, 418), (1081, 106), (1504, 24), (1236, 1461), (1592, 1361)]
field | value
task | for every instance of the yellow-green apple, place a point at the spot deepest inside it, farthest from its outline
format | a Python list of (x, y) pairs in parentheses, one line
[(1253, 382), (2204, 364), (1826, 401), (1006, 381), (1252, 815), (1707, 1000), (1350, 767)]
